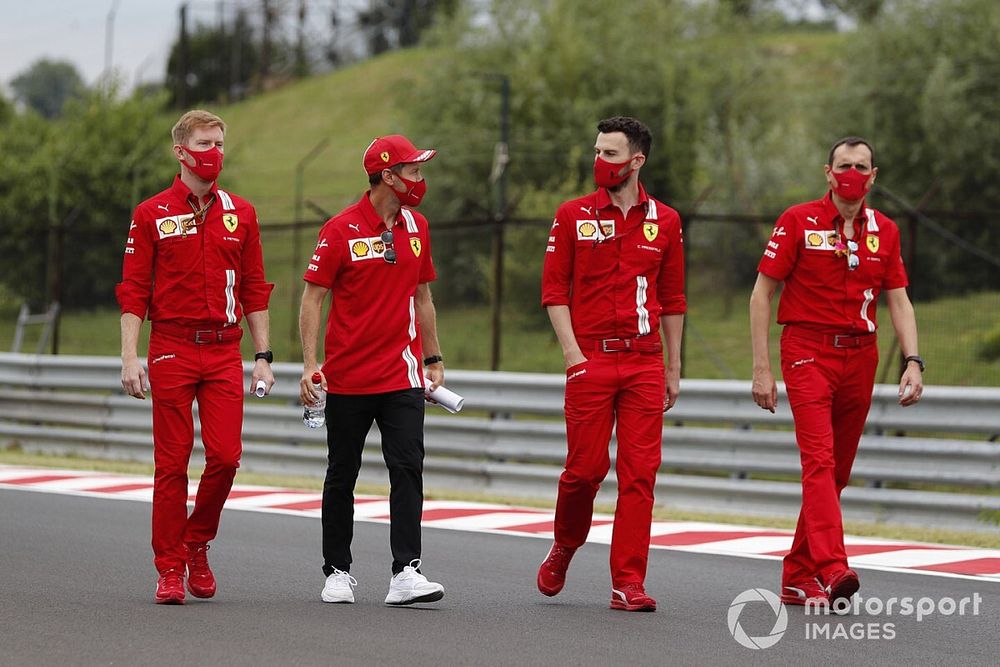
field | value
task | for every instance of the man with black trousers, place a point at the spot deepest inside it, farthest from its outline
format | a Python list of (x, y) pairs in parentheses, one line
[(374, 258)]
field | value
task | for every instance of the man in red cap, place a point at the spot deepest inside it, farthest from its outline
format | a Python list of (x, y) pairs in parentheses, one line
[(374, 258), (613, 277), (193, 263), (834, 255)]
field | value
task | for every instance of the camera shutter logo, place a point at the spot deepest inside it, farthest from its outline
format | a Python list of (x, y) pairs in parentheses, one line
[(780, 620)]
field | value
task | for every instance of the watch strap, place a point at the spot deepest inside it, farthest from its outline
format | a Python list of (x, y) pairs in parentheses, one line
[(433, 359)]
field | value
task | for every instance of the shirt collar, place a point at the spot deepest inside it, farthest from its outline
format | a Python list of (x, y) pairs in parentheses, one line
[(603, 198), (832, 215), (182, 191), (371, 216)]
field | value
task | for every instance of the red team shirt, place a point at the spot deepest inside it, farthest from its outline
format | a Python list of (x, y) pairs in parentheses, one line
[(618, 274), (820, 292), (212, 274), (373, 340)]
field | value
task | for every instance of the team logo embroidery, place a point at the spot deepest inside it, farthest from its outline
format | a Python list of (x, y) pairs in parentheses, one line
[(231, 221), (359, 249), (385, 156), (585, 229), (872, 243), (415, 246), (821, 240), (650, 230)]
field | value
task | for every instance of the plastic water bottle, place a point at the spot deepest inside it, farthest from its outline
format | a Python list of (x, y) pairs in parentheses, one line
[(314, 415)]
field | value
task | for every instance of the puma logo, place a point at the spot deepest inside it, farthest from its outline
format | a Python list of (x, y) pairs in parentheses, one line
[(165, 207), (586, 209), (813, 220), (354, 227)]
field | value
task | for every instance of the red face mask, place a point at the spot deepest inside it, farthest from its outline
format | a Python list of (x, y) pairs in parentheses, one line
[(415, 191), (207, 163), (851, 184), (606, 173)]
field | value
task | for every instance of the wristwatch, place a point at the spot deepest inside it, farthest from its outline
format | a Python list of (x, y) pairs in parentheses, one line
[(433, 359), (917, 358), (266, 356)]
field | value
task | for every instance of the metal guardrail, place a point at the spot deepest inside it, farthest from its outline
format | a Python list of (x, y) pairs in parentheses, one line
[(716, 447)]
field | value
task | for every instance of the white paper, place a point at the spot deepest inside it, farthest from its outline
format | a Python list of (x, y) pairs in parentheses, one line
[(260, 389), (446, 398)]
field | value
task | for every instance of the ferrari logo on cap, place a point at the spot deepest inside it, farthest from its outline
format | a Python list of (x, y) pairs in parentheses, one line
[(231, 221), (650, 230), (415, 246), (872, 243), (384, 155)]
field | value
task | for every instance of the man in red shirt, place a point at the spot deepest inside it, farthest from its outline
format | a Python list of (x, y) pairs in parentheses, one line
[(834, 255), (374, 257), (193, 263), (613, 276)]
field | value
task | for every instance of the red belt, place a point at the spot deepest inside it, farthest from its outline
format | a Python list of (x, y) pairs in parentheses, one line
[(636, 344), (201, 335), (833, 340)]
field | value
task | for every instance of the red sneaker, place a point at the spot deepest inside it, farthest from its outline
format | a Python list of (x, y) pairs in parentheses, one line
[(842, 586), (552, 573), (805, 592), (170, 588), (201, 581), (632, 597)]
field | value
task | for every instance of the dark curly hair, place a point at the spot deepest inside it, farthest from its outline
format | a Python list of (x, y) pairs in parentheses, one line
[(640, 140)]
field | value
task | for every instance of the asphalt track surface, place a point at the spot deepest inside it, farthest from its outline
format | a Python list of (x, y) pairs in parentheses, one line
[(76, 588)]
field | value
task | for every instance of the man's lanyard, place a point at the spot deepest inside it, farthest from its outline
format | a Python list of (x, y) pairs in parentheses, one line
[(197, 216)]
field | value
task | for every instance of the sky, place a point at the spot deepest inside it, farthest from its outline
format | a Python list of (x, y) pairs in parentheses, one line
[(74, 30)]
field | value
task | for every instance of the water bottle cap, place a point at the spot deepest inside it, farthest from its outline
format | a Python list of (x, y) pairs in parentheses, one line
[(317, 378)]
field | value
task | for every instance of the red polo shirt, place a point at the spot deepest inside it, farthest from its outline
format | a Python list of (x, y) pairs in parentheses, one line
[(617, 273), (372, 335), (820, 292), (210, 273)]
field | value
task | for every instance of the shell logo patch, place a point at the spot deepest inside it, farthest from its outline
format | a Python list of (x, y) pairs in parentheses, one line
[(872, 243), (650, 230), (814, 240), (173, 226), (384, 155), (415, 246), (231, 221), (822, 239), (585, 229), (359, 249)]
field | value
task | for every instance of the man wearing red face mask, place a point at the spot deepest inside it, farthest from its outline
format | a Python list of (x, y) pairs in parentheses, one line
[(613, 277), (834, 255), (193, 263), (374, 258)]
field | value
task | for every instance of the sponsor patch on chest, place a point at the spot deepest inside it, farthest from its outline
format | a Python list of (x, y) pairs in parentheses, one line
[(174, 226), (593, 230), (371, 247), (820, 239)]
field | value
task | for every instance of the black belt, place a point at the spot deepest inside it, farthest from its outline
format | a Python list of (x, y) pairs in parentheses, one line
[(200, 335)]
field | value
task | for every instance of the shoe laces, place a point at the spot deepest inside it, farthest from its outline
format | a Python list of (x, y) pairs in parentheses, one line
[(198, 554), (171, 576), (411, 571), (633, 591), (340, 575), (559, 557)]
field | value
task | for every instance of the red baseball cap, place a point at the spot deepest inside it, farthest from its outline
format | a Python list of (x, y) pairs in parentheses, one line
[(388, 151)]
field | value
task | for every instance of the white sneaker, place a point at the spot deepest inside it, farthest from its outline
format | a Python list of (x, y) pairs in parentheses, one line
[(410, 587), (339, 587)]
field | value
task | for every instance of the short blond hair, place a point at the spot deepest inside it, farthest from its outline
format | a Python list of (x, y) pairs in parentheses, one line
[(193, 119)]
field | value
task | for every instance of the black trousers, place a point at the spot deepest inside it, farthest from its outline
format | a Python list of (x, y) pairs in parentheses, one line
[(400, 419)]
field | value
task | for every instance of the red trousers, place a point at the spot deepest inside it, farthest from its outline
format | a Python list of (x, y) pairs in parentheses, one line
[(610, 387), (830, 392), (180, 371)]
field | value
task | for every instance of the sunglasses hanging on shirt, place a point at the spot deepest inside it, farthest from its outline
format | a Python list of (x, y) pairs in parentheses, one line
[(848, 250), (389, 255)]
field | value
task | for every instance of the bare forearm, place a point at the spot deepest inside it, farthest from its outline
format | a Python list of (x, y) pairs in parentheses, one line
[(673, 331), (260, 328), (130, 325), (310, 314), (760, 322), (427, 317), (904, 320), (562, 324)]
